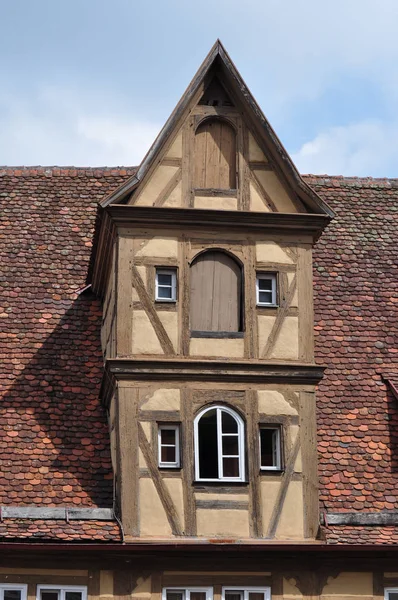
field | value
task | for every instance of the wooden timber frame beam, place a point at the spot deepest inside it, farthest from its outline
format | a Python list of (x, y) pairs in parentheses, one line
[(117, 369), (157, 217)]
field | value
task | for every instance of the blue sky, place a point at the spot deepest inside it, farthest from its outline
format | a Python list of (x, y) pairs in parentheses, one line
[(91, 82)]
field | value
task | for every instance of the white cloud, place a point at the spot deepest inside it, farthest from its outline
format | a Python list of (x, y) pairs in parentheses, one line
[(65, 127), (360, 149)]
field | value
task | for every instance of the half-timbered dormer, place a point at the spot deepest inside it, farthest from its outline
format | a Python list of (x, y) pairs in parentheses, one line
[(204, 265)]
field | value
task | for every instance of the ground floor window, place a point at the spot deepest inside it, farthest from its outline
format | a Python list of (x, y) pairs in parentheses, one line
[(68, 592), (391, 594), (248, 593), (192, 593), (11, 591)]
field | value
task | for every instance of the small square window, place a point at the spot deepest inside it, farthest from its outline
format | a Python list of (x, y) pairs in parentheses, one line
[(169, 446), (266, 289), (391, 594), (166, 285), (11, 591), (270, 448)]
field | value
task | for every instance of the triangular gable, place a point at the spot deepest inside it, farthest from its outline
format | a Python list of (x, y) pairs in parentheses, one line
[(218, 81)]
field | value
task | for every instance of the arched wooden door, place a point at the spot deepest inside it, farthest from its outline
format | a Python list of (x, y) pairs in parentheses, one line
[(216, 290), (215, 155)]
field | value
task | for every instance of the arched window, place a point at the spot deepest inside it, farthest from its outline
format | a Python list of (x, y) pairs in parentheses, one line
[(219, 445), (215, 155), (216, 293)]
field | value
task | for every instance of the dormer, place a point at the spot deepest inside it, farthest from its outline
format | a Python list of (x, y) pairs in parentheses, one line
[(204, 264)]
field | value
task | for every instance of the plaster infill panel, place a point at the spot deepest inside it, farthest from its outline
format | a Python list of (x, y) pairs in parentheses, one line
[(272, 252), (291, 523), (255, 152), (276, 191), (271, 402), (159, 247), (286, 345), (153, 519), (159, 180), (257, 204), (231, 348), (144, 338), (162, 399), (222, 522), (349, 585), (216, 203)]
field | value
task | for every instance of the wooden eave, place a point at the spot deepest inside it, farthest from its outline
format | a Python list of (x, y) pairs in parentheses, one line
[(181, 369), (219, 59)]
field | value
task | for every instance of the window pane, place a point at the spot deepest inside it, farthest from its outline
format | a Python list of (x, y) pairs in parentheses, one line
[(393, 595), (231, 467), (198, 595), (168, 454), (168, 436), (12, 594), (164, 279), (268, 439), (265, 284), (73, 595), (164, 292), (256, 595), (229, 424), (49, 594), (265, 297), (234, 595), (208, 446), (230, 445), (175, 595)]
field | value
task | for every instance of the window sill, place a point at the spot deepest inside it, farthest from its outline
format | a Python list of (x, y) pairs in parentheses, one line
[(218, 484), (218, 334)]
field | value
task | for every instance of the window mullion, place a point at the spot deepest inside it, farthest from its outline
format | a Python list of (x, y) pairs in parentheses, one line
[(219, 443)]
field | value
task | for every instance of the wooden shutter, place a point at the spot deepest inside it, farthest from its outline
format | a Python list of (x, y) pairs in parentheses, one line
[(215, 156), (215, 293)]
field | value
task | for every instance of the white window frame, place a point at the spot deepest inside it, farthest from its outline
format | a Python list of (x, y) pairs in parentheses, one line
[(176, 463), (173, 273), (388, 591), (62, 589), (278, 448), (187, 591), (241, 443), (19, 587), (269, 277), (246, 590)]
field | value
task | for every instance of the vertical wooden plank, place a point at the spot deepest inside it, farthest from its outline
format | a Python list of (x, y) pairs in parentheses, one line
[(124, 309), (249, 301), (127, 422), (188, 462), (200, 157), (378, 585), (213, 138), (305, 303), (255, 502), (309, 455), (244, 171), (186, 177), (184, 296)]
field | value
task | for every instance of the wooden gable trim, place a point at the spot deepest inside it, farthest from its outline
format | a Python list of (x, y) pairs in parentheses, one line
[(218, 57)]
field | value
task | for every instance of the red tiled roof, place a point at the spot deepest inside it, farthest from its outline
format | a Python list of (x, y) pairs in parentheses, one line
[(348, 534), (54, 447), (106, 531)]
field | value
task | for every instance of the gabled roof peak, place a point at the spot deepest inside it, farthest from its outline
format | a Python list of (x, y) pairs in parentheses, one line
[(218, 61)]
